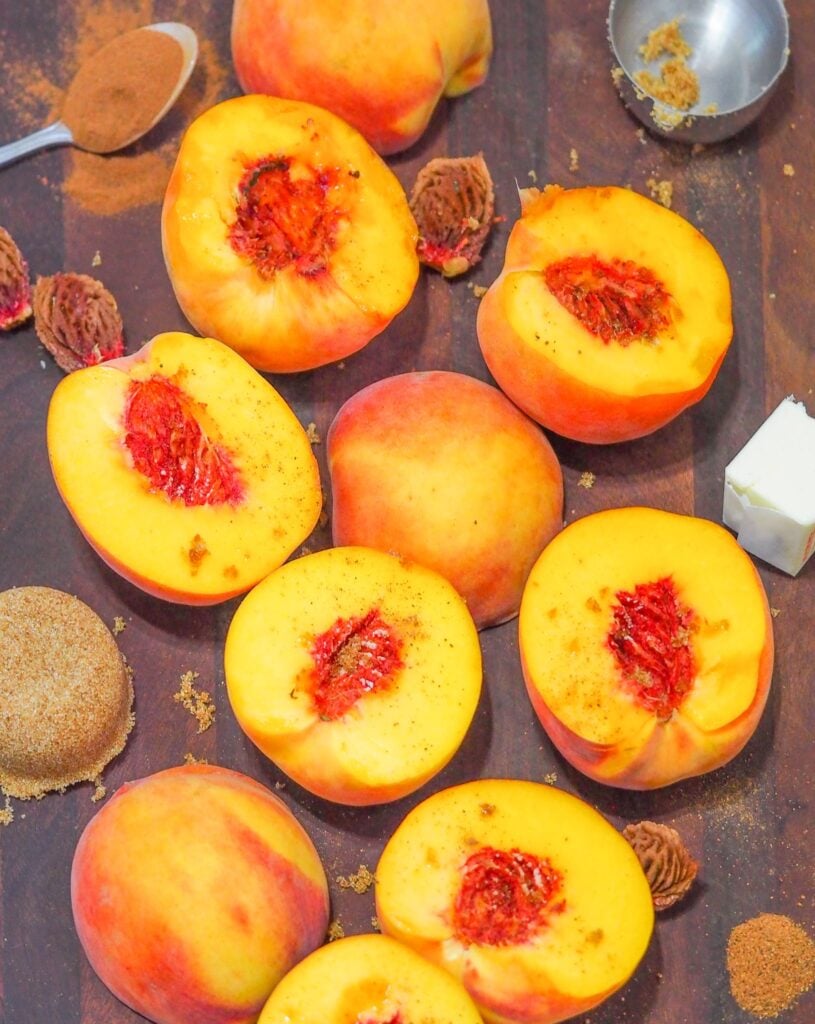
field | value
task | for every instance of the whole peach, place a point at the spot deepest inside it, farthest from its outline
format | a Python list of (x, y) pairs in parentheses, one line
[(382, 65), (194, 891), (442, 469)]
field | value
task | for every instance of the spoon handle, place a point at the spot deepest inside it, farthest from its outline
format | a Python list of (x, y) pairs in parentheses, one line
[(57, 134)]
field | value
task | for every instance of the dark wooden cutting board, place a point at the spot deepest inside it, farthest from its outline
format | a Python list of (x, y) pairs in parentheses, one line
[(750, 824)]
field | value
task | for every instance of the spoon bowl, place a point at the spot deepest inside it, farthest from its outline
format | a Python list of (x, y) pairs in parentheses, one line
[(59, 134), (739, 51)]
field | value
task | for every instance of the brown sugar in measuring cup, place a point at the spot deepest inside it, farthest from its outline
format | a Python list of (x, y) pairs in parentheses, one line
[(120, 91)]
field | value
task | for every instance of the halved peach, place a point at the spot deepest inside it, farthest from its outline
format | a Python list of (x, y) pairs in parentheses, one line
[(442, 469), (382, 66), (647, 646), (285, 235), (184, 468), (524, 893), (368, 979), (358, 674), (611, 314), (194, 891)]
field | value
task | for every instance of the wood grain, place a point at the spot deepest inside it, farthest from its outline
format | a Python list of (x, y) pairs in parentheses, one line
[(750, 824)]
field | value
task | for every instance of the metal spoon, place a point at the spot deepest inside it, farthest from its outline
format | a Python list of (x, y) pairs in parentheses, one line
[(59, 134)]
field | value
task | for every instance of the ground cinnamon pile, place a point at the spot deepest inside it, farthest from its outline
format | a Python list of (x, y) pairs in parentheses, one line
[(108, 185), (771, 962), (117, 95)]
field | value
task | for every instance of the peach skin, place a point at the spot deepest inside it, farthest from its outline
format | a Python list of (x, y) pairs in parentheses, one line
[(184, 469), (382, 65), (611, 314), (357, 673), (647, 646), (194, 891), (274, 226), (443, 470), (525, 894)]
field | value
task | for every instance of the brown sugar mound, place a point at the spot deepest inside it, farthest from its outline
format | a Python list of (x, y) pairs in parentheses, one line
[(65, 695)]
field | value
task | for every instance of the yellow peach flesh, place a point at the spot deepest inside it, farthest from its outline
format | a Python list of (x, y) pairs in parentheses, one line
[(571, 673), (581, 954), (369, 978), (555, 368), (287, 320), (391, 740), (149, 537)]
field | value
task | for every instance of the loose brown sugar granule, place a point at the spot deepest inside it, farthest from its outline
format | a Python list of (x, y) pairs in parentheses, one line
[(532, 175), (617, 75), (192, 759), (789, 170), (97, 259), (550, 778), (360, 882), (375, 924), (335, 931), (586, 480), (640, 133), (666, 38), (198, 702), (99, 790), (774, 611), (574, 160), (677, 84), (771, 962), (119, 625), (313, 434), (7, 813), (662, 191)]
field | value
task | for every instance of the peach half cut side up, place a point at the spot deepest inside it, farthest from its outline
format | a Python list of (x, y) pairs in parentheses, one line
[(285, 235), (443, 470), (184, 469), (611, 315), (647, 646), (194, 891), (358, 674), (368, 979), (525, 894), (382, 65)]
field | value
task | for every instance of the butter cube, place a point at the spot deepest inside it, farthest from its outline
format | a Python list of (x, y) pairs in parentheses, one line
[(769, 489)]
